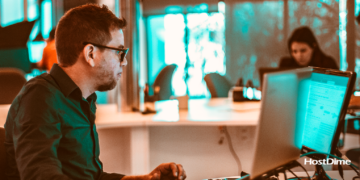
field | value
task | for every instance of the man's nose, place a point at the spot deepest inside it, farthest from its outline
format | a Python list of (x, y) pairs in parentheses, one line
[(124, 63)]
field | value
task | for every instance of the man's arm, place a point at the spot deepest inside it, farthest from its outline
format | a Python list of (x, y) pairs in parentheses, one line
[(165, 171), (36, 135)]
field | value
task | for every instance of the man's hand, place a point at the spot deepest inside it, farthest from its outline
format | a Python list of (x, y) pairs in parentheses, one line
[(168, 171), (165, 171)]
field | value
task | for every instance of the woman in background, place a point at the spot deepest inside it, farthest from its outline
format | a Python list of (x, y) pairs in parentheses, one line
[(305, 51), (49, 56)]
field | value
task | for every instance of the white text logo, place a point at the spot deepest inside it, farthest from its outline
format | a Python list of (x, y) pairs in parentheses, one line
[(327, 162)]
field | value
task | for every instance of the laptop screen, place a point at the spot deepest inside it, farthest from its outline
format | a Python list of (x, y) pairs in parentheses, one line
[(326, 94)]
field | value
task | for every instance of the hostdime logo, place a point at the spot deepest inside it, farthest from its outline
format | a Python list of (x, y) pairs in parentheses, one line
[(327, 162)]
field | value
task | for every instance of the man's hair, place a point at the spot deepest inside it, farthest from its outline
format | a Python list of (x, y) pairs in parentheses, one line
[(87, 23)]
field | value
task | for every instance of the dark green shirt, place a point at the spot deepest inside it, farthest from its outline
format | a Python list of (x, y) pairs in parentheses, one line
[(51, 132)]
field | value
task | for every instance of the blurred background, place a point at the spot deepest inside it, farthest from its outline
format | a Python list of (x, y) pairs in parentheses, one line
[(233, 38)]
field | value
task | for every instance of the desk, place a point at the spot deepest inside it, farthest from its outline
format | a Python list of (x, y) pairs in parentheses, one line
[(132, 143), (189, 137), (219, 111)]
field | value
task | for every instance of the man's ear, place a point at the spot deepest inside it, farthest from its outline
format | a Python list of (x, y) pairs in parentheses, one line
[(89, 55)]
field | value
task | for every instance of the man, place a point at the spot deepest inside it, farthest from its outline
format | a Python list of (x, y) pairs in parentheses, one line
[(50, 129)]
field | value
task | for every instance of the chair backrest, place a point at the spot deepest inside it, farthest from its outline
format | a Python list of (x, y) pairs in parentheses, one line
[(11, 82), (2, 154), (218, 85), (162, 83)]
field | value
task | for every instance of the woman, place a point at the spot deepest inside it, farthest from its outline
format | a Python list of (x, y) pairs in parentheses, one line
[(305, 51), (49, 56)]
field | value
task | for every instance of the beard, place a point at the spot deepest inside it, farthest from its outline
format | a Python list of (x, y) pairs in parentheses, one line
[(108, 86), (105, 78)]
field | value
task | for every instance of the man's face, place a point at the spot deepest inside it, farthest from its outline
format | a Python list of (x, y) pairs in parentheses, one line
[(109, 68), (301, 52)]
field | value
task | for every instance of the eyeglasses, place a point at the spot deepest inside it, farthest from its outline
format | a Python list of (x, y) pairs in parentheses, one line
[(120, 52)]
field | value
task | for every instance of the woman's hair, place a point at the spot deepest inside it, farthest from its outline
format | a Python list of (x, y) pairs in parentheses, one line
[(304, 35)]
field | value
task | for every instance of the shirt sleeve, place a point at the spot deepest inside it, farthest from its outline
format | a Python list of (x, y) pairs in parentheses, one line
[(36, 135)]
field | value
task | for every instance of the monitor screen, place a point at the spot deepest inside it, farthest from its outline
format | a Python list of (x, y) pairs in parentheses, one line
[(325, 98)]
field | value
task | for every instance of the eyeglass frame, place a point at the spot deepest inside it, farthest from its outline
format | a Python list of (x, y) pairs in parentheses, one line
[(124, 50)]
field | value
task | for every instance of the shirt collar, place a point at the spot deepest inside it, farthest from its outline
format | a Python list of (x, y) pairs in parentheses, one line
[(66, 84)]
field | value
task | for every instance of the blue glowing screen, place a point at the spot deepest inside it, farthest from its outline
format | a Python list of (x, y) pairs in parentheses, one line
[(325, 98)]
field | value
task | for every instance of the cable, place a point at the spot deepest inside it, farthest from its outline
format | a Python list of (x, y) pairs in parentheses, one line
[(227, 135), (285, 175), (293, 173), (304, 170), (355, 170)]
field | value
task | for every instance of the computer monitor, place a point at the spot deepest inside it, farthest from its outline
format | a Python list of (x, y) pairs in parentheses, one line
[(300, 109), (327, 97), (279, 134)]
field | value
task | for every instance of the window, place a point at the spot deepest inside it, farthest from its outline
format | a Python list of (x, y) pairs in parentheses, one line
[(357, 48), (194, 42), (256, 36), (46, 18), (33, 10), (11, 12)]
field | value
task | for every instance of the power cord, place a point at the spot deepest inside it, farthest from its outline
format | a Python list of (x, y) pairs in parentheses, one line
[(227, 135), (293, 173), (285, 175), (304, 170)]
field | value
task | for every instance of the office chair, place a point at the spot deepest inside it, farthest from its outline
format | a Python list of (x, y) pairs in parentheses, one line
[(162, 84), (218, 85), (2, 154), (11, 82)]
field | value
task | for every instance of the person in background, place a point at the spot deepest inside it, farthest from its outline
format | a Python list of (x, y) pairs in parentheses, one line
[(305, 51), (50, 128), (49, 56)]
